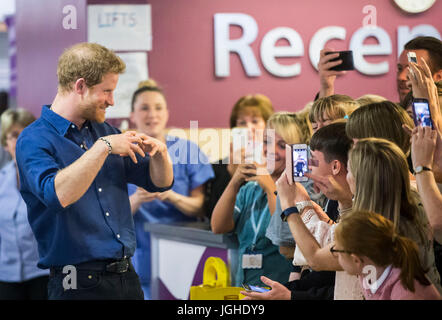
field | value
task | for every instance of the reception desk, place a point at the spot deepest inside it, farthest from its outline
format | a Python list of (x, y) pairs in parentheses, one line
[(179, 252)]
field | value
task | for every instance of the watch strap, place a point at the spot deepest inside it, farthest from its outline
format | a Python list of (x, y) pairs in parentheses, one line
[(287, 212), (420, 169)]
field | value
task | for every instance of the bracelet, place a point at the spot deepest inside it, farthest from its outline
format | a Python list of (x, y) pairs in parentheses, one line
[(109, 147)]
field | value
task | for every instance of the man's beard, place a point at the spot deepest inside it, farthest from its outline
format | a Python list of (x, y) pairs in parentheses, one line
[(92, 112)]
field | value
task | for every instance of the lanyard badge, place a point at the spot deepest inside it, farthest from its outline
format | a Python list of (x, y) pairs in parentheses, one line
[(252, 260)]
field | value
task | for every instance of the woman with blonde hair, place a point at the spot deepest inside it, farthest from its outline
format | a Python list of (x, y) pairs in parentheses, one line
[(327, 109), (378, 162), (248, 202), (388, 265), (381, 120)]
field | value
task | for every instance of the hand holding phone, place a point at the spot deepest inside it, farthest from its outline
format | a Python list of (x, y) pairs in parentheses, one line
[(347, 60), (421, 113), (251, 288)]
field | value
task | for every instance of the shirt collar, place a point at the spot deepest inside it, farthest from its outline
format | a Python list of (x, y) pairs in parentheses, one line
[(60, 124), (378, 283)]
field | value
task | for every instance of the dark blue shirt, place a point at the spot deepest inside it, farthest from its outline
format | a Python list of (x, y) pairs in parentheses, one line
[(99, 225)]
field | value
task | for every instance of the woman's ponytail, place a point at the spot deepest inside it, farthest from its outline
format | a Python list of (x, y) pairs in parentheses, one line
[(406, 258)]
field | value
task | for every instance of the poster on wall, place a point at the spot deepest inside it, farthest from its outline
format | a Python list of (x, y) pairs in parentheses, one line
[(121, 27), (136, 71)]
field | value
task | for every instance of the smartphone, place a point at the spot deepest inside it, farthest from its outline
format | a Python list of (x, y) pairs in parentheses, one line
[(347, 60), (421, 113), (243, 139), (297, 161), (251, 288), (412, 57)]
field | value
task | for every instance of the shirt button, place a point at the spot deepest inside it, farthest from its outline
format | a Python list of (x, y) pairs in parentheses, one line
[(73, 126), (99, 189), (118, 235), (107, 214), (81, 146)]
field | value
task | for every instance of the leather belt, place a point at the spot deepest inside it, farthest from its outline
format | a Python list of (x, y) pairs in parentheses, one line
[(113, 266)]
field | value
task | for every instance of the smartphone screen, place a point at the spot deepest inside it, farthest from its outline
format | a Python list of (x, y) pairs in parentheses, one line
[(255, 288), (421, 112), (299, 162), (412, 57)]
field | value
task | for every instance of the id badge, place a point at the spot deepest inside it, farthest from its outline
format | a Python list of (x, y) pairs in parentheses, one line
[(252, 261)]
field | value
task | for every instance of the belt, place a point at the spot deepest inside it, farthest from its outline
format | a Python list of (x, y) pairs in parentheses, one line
[(113, 266)]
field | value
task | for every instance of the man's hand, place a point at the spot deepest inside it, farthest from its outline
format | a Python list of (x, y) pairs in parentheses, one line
[(126, 144), (152, 146), (278, 292)]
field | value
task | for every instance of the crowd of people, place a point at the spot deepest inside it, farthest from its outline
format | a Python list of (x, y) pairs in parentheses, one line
[(366, 224)]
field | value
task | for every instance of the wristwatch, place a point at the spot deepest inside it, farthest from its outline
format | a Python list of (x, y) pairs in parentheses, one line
[(299, 207), (420, 169)]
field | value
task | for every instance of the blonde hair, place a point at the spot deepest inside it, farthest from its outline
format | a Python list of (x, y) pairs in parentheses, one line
[(381, 120), (90, 61), (371, 235), (306, 125), (369, 98), (258, 101), (289, 126), (333, 107), (381, 175), (13, 117), (149, 85)]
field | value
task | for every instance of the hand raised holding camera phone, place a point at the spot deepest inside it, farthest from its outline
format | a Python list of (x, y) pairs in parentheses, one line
[(329, 59)]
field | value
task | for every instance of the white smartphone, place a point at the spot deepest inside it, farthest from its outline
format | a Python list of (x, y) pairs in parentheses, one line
[(243, 139), (297, 162), (412, 57)]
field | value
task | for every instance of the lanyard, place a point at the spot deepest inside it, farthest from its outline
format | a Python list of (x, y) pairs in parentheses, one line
[(255, 227)]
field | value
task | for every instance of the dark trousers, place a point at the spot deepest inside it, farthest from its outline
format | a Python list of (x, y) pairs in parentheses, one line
[(93, 282), (33, 289)]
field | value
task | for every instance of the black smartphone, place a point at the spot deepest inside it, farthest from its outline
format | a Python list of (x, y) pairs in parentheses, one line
[(421, 113), (347, 60)]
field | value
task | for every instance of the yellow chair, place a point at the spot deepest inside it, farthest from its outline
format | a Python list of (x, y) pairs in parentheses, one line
[(216, 283)]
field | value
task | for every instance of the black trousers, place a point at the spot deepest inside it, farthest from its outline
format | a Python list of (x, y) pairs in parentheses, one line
[(93, 282), (33, 289)]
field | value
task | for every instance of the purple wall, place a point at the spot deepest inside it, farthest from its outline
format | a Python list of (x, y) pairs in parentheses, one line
[(41, 38)]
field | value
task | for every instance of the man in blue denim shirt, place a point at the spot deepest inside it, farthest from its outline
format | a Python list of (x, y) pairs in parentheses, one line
[(74, 169)]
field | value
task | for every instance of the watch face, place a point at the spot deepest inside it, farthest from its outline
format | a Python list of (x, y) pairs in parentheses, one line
[(414, 6)]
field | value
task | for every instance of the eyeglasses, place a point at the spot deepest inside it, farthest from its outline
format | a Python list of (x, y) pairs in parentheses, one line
[(334, 251)]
